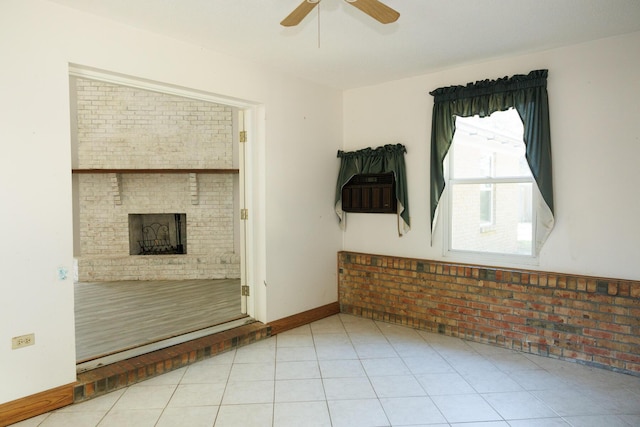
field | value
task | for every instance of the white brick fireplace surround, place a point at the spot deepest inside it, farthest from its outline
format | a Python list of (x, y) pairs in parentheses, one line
[(143, 152)]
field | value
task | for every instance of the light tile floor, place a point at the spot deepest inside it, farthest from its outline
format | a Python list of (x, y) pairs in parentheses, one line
[(349, 371)]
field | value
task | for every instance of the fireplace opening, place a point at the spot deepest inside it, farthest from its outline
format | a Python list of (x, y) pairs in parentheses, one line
[(158, 234)]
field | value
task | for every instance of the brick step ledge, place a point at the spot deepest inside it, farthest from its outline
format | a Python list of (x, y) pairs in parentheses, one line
[(105, 379)]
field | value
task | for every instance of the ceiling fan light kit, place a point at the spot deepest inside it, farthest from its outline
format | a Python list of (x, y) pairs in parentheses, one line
[(374, 8)]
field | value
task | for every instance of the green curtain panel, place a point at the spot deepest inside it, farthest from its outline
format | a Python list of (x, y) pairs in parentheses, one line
[(527, 94), (385, 159)]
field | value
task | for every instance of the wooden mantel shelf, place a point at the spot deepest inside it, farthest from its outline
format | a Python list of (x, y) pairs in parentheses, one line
[(210, 171), (116, 177)]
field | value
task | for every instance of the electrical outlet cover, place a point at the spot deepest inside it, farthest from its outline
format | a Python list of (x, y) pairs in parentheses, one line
[(23, 341)]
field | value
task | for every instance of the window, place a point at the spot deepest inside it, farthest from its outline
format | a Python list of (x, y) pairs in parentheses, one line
[(531, 219), (490, 187)]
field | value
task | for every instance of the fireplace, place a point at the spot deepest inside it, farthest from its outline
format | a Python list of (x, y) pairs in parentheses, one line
[(150, 168), (158, 234)]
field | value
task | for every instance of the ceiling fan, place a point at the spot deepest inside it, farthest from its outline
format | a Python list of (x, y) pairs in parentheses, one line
[(378, 11)]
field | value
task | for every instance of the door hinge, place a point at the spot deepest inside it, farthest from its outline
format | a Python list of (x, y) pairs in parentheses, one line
[(244, 214), (243, 136), (245, 291)]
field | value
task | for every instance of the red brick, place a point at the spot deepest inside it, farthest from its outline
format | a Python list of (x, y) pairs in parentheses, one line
[(582, 284), (514, 319), (606, 361), (524, 329), (625, 329), (605, 335), (635, 358), (633, 367), (598, 351)]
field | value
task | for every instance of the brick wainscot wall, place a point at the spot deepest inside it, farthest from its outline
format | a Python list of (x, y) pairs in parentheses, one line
[(590, 320)]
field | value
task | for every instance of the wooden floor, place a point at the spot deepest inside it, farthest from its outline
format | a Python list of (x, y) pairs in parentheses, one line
[(115, 316)]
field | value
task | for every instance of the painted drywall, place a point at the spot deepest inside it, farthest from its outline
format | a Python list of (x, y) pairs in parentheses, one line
[(594, 96), (303, 212), (294, 236)]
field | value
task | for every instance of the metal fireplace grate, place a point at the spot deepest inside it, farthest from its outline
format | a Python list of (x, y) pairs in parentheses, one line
[(157, 234)]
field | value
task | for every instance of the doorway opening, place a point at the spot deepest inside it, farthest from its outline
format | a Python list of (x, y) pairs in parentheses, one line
[(153, 166)]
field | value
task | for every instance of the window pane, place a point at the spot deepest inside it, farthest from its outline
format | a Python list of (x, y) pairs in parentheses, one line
[(486, 204), (489, 147), (510, 229)]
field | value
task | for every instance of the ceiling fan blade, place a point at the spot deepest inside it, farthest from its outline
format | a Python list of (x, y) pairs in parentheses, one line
[(378, 11), (299, 13)]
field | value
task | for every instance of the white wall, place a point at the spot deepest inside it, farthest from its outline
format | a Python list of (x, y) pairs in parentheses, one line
[(300, 185), (594, 93), (295, 235)]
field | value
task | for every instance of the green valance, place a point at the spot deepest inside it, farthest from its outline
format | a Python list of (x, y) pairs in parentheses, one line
[(527, 94), (385, 159)]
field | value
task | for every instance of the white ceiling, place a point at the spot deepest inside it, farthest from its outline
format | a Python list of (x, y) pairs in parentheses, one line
[(344, 48)]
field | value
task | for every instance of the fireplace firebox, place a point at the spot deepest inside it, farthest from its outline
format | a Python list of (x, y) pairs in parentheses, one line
[(158, 234)]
